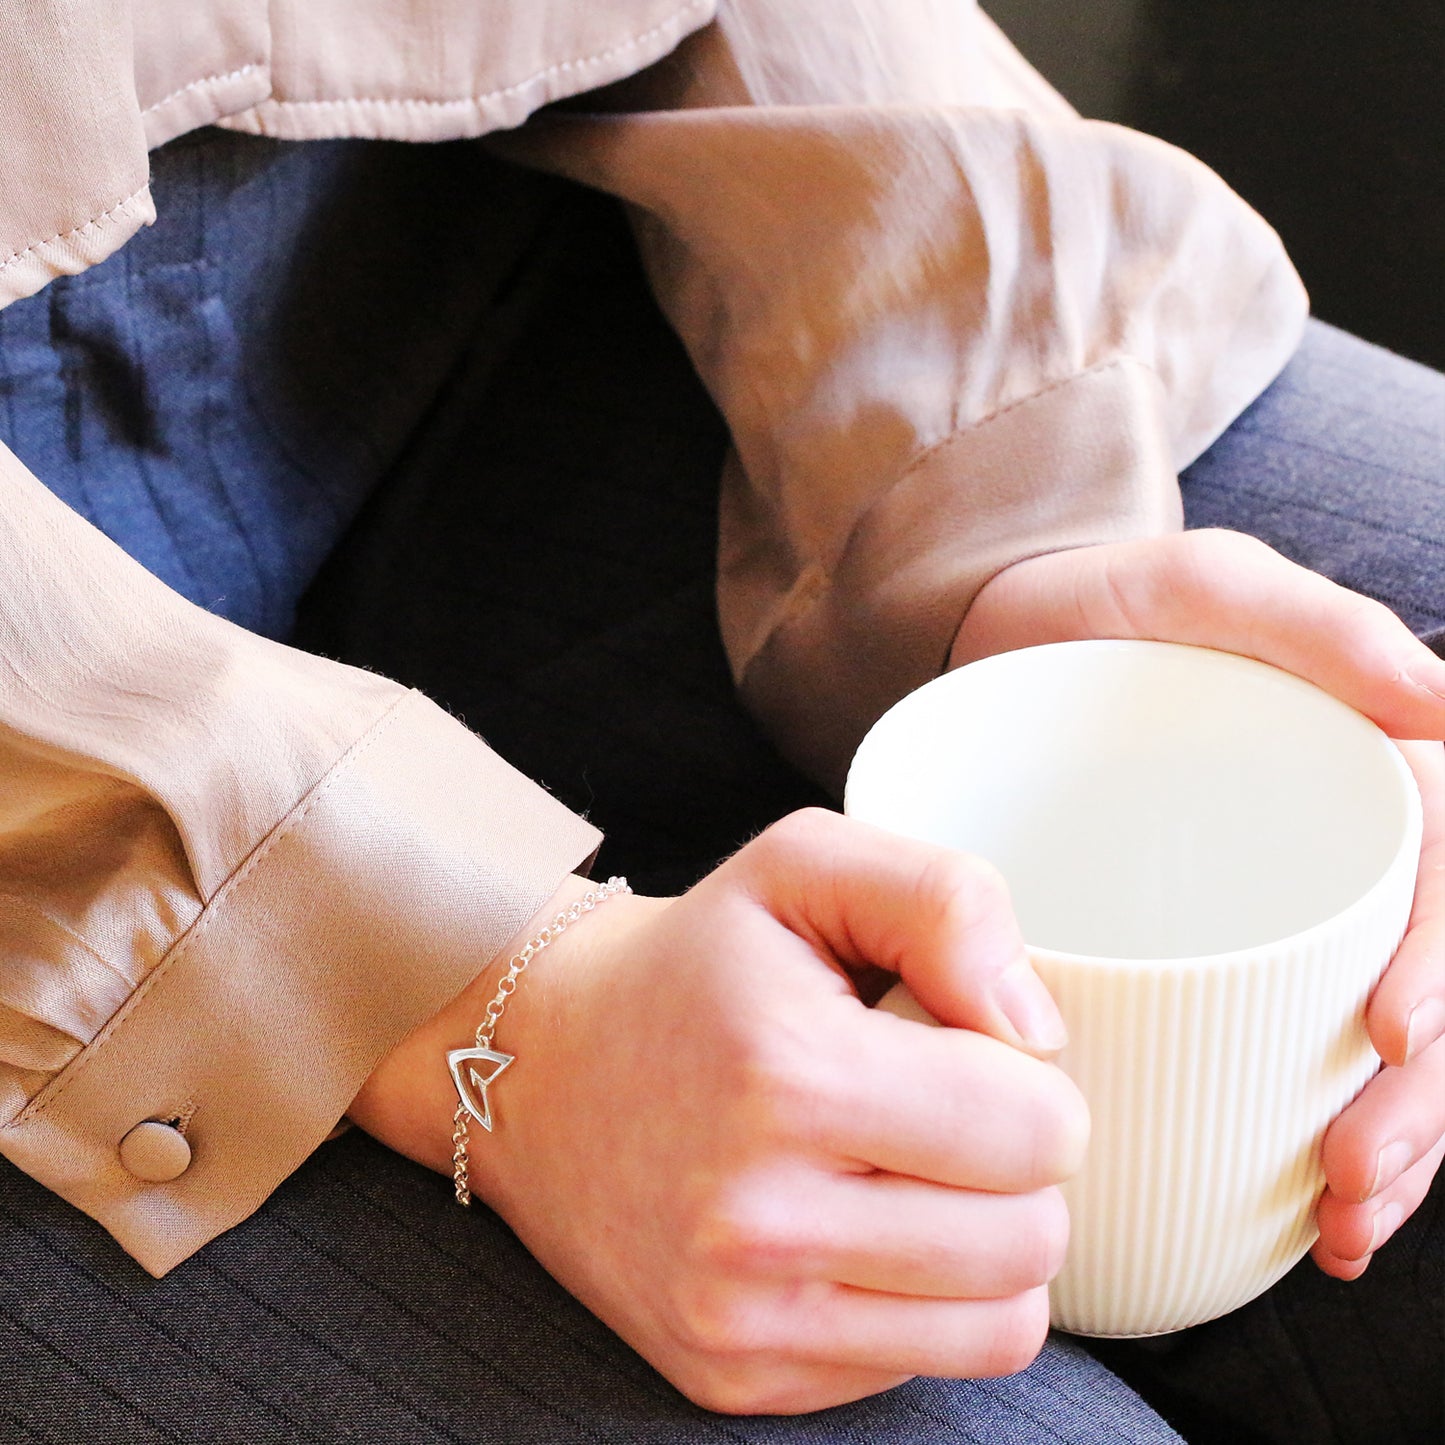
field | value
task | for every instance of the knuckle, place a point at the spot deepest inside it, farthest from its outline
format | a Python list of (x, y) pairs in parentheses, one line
[(1366, 613), (1220, 543), (1037, 1240), (1159, 580), (1216, 548), (1021, 1327), (1061, 1132), (1201, 564), (778, 1082), (1050, 1235), (706, 1390), (960, 891), (748, 1235), (798, 833), (716, 1322), (1345, 1156), (1376, 637)]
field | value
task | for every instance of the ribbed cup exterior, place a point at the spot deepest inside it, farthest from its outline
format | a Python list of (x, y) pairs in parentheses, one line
[(1211, 1083)]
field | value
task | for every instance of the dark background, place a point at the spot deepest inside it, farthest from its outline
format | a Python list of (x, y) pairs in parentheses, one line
[(1329, 118)]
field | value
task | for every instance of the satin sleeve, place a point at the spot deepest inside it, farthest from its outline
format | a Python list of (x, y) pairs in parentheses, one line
[(232, 876), (950, 324)]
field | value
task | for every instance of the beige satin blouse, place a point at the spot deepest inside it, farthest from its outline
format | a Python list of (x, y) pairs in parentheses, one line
[(950, 325)]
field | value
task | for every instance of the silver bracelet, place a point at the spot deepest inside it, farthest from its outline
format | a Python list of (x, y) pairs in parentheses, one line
[(476, 1069)]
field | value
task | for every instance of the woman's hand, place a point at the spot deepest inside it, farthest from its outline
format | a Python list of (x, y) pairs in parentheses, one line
[(780, 1197), (1383, 1151), (1225, 590)]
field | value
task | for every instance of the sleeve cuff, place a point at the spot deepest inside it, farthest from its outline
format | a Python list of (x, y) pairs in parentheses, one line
[(1082, 462), (387, 888)]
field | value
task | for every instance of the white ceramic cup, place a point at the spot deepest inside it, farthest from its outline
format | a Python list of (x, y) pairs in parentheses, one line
[(1212, 862)]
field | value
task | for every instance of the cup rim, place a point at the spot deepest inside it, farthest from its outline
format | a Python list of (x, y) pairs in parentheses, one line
[(1405, 855)]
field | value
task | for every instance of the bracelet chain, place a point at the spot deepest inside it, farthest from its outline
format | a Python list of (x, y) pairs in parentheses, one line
[(486, 1030)]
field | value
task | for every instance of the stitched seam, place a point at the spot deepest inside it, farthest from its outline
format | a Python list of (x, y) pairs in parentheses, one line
[(814, 579), (1119, 362), (204, 80), (581, 62), (818, 574), (15, 257), (285, 829)]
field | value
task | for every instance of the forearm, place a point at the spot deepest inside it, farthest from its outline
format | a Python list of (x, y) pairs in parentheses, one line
[(950, 326), (232, 876)]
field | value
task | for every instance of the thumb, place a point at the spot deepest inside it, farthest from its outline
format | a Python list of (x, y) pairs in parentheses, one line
[(940, 919)]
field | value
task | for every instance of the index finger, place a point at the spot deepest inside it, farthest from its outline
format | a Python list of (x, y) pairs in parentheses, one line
[(939, 918)]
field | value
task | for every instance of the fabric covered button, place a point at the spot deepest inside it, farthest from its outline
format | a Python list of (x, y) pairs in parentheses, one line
[(155, 1152)]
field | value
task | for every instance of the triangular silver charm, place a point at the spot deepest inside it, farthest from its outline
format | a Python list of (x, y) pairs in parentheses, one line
[(472, 1081)]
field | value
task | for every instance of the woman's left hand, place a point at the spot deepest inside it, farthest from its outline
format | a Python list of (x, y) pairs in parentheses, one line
[(1382, 1152), (1229, 591)]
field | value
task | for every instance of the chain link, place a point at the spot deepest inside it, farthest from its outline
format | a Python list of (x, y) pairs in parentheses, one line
[(506, 987)]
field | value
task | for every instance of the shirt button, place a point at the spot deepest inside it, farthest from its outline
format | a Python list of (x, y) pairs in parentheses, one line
[(155, 1152)]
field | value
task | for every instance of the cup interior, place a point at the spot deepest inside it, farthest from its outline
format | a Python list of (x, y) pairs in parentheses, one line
[(1144, 800)]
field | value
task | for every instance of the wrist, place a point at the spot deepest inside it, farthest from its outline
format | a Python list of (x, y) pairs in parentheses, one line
[(477, 1066), (1016, 608), (1160, 587), (408, 1100)]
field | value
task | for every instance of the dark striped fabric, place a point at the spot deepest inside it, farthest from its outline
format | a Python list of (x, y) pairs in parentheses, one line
[(1341, 466), (362, 1305), (529, 536)]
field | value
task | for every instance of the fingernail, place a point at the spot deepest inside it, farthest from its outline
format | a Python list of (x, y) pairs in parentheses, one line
[(1425, 1024), (1391, 1163), (1387, 1221), (1030, 1008)]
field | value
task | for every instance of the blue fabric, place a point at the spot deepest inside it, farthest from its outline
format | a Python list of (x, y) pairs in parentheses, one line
[(223, 394), (1341, 466), (406, 465)]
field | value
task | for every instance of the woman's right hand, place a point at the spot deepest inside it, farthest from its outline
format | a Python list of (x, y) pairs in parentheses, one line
[(782, 1198)]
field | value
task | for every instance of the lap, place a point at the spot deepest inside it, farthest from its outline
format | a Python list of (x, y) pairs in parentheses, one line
[(578, 636), (629, 712), (362, 1304)]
